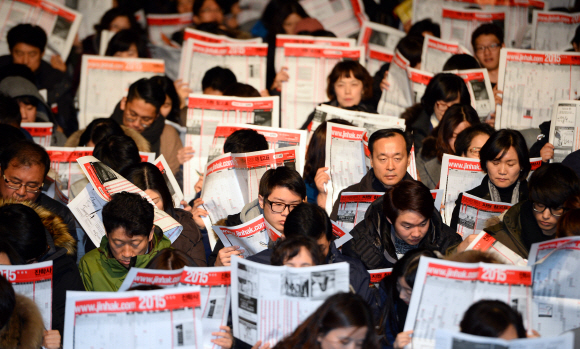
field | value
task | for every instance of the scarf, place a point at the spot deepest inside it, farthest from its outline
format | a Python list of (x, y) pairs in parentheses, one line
[(496, 196), (401, 247)]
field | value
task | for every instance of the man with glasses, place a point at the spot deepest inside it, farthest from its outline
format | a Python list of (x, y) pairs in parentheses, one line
[(140, 112), (535, 220), (487, 41), (24, 166), (280, 191)]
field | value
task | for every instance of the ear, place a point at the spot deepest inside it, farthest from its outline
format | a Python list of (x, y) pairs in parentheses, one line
[(261, 201), (575, 45), (195, 20), (123, 103), (409, 159), (503, 45), (151, 233)]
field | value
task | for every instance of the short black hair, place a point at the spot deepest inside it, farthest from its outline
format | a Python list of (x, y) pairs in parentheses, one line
[(147, 176), (9, 111), (8, 136), (168, 86), (289, 248), (218, 78), (487, 29), (245, 141), (499, 143), (20, 70), (426, 25), (553, 184), (411, 47), (444, 87), (7, 301), (28, 34), (122, 42), (388, 133), (100, 129), (197, 5), (309, 220), (241, 90), (22, 228), (10, 252), (489, 318), (284, 177), (117, 152), (129, 211), (147, 90), (26, 153), (461, 62), (465, 137)]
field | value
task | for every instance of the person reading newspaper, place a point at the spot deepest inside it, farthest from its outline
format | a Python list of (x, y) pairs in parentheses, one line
[(350, 86), (33, 235), (457, 118), (342, 321), (113, 20), (403, 219), (461, 61), (490, 318), (390, 151), (131, 240), (27, 45), (126, 43), (216, 80), (24, 165), (536, 219), (280, 191), (469, 141), (140, 110), (443, 91), (298, 252), (505, 160)]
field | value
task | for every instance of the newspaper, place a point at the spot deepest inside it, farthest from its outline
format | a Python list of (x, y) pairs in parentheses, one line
[(276, 138), (377, 56), (174, 189), (458, 24), (345, 158), (475, 212), (427, 9), (419, 79), (92, 11), (532, 81), (251, 236), (487, 243), (269, 302), (370, 122), (436, 52), (35, 282), (60, 23), (555, 288), (564, 129), (480, 91), (167, 318), (63, 160), (399, 96), (437, 198), (106, 80), (445, 339), (41, 132), (283, 39), (379, 36), (352, 208), (377, 275), (214, 286), (206, 112), (247, 60), (161, 27), (106, 36), (190, 33), (308, 69), (463, 284), (553, 31), (341, 236), (104, 182), (411, 169), (342, 17)]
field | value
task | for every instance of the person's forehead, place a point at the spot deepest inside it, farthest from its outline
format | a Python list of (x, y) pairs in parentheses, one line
[(394, 142), (486, 38), (285, 194), (15, 166), (141, 107), (121, 234), (25, 47)]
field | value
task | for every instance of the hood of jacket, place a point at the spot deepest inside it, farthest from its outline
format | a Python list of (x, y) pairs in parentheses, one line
[(54, 225), (142, 144), (25, 327), (251, 211)]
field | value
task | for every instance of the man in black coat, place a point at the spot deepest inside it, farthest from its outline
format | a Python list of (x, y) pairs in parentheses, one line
[(27, 43)]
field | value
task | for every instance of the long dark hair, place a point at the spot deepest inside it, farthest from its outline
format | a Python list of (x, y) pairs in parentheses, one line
[(147, 176), (167, 84), (338, 311), (316, 152), (122, 42), (276, 13), (444, 87)]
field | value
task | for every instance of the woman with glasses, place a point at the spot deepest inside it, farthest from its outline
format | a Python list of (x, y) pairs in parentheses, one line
[(506, 161), (470, 141), (149, 178), (443, 91), (536, 220), (396, 290), (442, 141)]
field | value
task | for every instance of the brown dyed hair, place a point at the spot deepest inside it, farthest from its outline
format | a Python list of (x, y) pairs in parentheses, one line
[(171, 259), (350, 69), (474, 256), (408, 195)]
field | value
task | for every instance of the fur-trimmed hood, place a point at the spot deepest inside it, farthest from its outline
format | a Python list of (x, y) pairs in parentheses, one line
[(55, 226), (142, 144), (25, 328)]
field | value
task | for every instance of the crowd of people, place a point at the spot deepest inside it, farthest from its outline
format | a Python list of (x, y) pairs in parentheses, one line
[(398, 228)]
